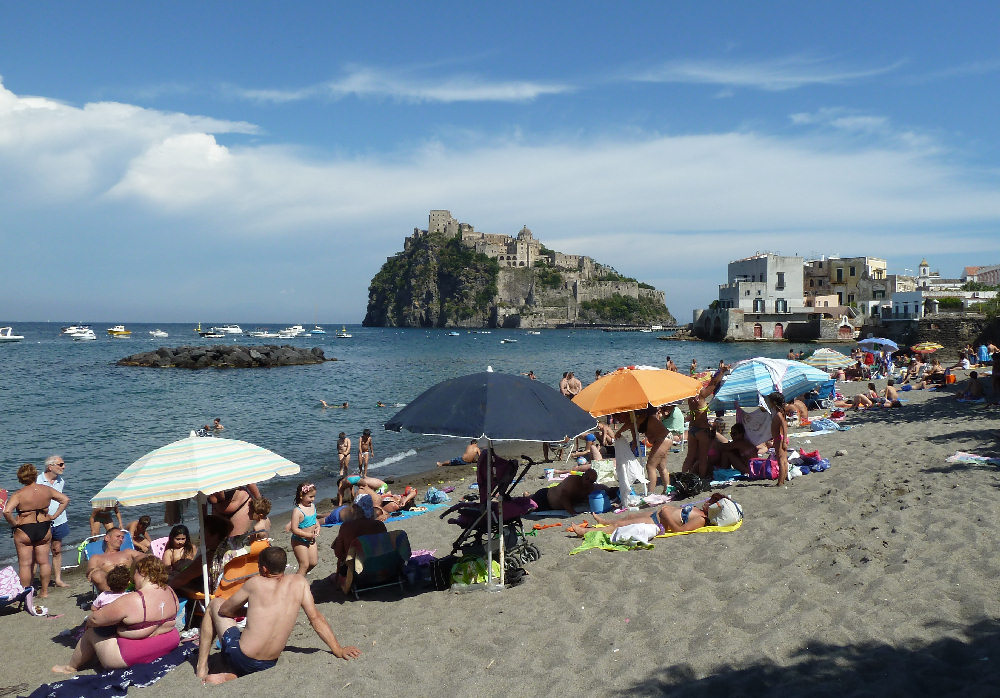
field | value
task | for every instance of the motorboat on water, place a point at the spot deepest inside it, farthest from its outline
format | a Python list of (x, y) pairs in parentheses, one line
[(73, 329), (7, 335), (228, 329), (533, 332), (263, 333), (158, 333), (83, 335), (293, 331), (454, 334), (508, 341), (317, 330), (119, 331), (344, 334)]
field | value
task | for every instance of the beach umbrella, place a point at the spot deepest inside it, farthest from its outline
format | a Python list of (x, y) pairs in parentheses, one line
[(497, 407), (629, 389), (193, 467), (828, 359), (926, 347), (752, 378), (878, 344)]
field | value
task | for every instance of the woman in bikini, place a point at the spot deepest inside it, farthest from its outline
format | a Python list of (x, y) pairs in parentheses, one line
[(710, 447), (667, 518), (305, 528), (32, 525), (136, 628), (698, 419), (365, 452)]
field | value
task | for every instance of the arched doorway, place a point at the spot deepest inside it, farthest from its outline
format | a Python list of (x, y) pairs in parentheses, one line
[(758, 331), (845, 332), (779, 331)]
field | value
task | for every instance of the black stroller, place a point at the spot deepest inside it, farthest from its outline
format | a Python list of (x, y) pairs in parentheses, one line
[(471, 516)]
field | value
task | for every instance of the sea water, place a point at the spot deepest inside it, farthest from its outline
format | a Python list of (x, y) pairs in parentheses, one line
[(68, 397)]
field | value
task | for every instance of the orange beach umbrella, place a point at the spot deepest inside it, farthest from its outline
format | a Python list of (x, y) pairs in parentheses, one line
[(635, 389)]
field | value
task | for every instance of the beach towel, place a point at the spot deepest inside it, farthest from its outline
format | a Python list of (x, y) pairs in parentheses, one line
[(824, 424), (600, 539), (116, 682), (963, 457), (628, 469), (634, 533), (704, 529), (605, 470)]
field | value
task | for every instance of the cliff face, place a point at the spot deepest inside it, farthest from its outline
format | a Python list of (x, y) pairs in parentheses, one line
[(438, 281)]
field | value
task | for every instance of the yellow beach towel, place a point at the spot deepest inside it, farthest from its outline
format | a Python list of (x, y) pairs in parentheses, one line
[(704, 529)]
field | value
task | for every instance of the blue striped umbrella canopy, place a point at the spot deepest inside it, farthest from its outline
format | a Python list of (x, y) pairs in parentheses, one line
[(752, 378), (827, 359), (194, 465), (878, 343)]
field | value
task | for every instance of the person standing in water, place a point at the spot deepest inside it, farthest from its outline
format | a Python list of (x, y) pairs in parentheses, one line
[(365, 452), (344, 452)]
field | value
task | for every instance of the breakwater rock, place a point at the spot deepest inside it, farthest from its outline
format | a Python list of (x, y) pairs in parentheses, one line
[(226, 356)]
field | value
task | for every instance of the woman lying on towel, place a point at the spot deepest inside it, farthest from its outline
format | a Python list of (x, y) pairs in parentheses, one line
[(713, 511)]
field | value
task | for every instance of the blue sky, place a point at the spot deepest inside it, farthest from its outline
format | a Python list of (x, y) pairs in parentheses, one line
[(257, 161)]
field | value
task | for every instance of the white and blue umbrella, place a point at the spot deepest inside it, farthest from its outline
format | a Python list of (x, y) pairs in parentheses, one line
[(878, 344), (752, 378)]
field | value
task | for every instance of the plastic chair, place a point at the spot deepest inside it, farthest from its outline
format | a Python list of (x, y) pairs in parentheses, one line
[(376, 561), (94, 545), (159, 546), (11, 591)]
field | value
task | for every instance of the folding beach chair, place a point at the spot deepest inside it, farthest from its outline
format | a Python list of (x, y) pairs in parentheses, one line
[(376, 561), (94, 545), (11, 591), (235, 571)]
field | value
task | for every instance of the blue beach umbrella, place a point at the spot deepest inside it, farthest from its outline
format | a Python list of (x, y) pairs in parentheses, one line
[(878, 344), (752, 378)]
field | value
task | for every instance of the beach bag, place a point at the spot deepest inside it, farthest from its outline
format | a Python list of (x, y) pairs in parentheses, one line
[(473, 571), (441, 572), (763, 469), (435, 496), (724, 512), (809, 458), (686, 485)]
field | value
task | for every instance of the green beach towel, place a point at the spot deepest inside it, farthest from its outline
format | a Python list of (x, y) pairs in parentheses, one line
[(600, 539)]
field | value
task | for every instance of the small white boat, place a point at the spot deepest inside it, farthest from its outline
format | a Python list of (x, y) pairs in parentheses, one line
[(293, 331), (533, 332), (454, 334), (263, 333), (344, 334), (84, 335), (73, 329), (213, 335), (317, 330), (158, 333), (508, 341), (7, 335), (646, 330), (119, 331)]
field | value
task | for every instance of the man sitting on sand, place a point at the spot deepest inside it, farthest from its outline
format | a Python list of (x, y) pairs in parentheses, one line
[(470, 455), (973, 388), (573, 490), (113, 555), (271, 602), (891, 396)]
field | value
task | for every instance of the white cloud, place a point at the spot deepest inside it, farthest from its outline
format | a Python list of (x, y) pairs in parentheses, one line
[(773, 75), (360, 81)]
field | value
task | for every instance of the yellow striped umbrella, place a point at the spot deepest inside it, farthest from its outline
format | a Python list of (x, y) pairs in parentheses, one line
[(195, 466), (926, 347)]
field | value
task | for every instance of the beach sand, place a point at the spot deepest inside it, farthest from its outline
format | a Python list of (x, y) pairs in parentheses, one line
[(877, 576)]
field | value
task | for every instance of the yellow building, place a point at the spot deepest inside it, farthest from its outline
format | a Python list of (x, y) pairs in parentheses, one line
[(859, 282)]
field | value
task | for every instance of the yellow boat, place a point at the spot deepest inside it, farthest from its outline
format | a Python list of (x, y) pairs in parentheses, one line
[(119, 331)]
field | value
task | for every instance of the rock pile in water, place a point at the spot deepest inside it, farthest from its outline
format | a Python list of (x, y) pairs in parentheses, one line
[(225, 356)]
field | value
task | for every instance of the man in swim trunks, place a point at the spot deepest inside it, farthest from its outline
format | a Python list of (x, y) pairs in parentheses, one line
[(113, 555), (470, 455), (55, 467), (574, 385), (271, 601), (570, 492)]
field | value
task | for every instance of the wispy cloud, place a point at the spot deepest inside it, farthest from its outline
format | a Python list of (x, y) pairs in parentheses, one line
[(773, 75), (365, 82)]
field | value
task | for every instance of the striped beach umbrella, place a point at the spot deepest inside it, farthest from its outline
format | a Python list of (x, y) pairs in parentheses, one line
[(828, 359), (753, 378), (193, 467), (926, 347)]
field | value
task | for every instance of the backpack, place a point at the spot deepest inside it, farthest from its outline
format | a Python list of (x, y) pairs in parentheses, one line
[(686, 485), (435, 496), (763, 469)]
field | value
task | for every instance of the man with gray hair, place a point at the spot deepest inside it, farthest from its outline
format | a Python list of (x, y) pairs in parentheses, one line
[(55, 466)]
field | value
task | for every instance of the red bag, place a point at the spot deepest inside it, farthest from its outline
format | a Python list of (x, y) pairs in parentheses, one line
[(763, 469)]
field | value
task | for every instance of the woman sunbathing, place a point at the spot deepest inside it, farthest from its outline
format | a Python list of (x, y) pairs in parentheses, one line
[(667, 518)]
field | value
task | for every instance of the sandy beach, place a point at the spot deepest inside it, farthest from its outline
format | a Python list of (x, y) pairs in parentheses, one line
[(877, 576)]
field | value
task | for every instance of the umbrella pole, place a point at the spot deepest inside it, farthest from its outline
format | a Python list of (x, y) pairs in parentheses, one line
[(201, 545), (635, 430), (489, 513)]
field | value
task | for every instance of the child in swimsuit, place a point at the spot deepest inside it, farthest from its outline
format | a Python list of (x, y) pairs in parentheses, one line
[(779, 434), (305, 528)]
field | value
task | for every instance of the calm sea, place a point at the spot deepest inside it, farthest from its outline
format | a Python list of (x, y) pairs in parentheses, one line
[(66, 397)]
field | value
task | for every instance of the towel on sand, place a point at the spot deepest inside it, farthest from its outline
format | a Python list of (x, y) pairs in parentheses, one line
[(116, 682), (600, 539), (401, 516), (963, 457)]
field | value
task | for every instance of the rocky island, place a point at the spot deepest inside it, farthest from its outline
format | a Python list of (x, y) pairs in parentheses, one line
[(450, 275), (229, 356)]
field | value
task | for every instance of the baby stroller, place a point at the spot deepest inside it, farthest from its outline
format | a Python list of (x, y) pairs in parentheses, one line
[(822, 397), (471, 516)]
